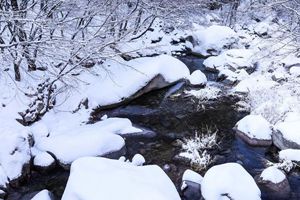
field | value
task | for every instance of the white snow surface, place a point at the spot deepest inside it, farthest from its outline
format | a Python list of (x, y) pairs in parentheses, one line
[(290, 154), (100, 178), (231, 179), (214, 38), (255, 126), (42, 195), (197, 78), (138, 160), (273, 174), (190, 175)]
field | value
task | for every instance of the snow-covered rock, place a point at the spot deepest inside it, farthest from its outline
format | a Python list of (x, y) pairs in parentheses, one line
[(229, 181), (275, 180), (197, 78), (138, 160), (192, 176), (43, 195), (287, 135), (117, 81), (290, 154), (273, 174), (3, 178), (295, 71), (212, 40), (263, 29), (233, 59), (14, 153), (43, 160), (101, 178), (255, 130)]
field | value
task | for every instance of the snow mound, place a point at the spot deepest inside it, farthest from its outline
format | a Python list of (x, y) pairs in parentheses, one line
[(290, 154), (197, 78), (295, 71), (273, 174), (42, 195), (212, 40), (138, 160), (192, 176), (229, 181), (289, 130), (99, 178), (116, 81), (255, 126)]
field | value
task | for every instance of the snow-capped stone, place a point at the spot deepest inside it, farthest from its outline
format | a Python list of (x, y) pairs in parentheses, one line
[(263, 29), (146, 74), (192, 176), (255, 130), (287, 135), (233, 59), (43, 195), (43, 160), (275, 181), (221, 182), (254, 84), (273, 174), (197, 78), (100, 178), (295, 71), (3, 178), (14, 153), (212, 40), (290, 154), (138, 160)]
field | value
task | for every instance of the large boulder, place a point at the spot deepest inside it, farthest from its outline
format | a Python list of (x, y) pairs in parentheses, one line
[(94, 178), (254, 130), (229, 181), (290, 155)]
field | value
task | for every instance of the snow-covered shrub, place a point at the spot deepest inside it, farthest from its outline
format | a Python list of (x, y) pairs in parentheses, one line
[(196, 149)]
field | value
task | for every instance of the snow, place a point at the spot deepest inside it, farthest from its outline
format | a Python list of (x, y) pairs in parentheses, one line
[(101, 178), (3, 177), (273, 174), (138, 160), (290, 130), (192, 176), (43, 159), (255, 126), (210, 92), (110, 83), (290, 154), (42, 195), (231, 179), (197, 78), (211, 40)]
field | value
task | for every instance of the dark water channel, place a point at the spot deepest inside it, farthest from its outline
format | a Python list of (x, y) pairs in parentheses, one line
[(174, 118)]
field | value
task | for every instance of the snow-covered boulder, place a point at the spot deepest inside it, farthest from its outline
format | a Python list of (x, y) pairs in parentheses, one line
[(229, 181), (118, 81), (14, 154), (255, 130), (275, 181), (290, 154), (197, 78), (43, 161), (100, 178), (263, 29), (191, 185), (291, 61), (287, 134), (43, 195), (295, 71), (212, 40), (138, 160)]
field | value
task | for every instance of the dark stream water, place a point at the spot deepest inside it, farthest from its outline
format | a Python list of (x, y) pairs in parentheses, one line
[(173, 118)]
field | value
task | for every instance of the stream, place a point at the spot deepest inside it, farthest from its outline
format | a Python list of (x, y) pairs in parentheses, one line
[(172, 118)]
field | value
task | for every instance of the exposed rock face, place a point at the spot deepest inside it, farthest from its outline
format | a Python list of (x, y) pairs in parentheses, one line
[(283, 143), (253, 141)]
